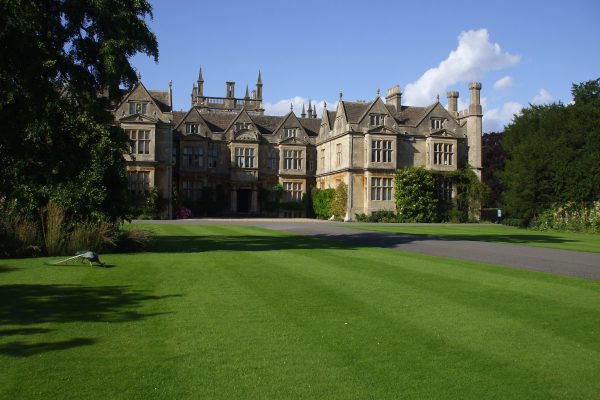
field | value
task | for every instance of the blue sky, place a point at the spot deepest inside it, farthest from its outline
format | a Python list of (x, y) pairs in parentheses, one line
[(522, 51)]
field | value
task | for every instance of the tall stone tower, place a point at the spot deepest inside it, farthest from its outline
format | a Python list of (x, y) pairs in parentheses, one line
[(473, 115)]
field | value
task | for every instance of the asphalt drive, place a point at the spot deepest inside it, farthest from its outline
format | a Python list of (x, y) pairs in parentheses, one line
[(554, 261)]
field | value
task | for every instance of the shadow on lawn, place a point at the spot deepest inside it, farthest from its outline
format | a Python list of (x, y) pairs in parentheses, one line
[(201, 243), (514, 239), (35, 304)]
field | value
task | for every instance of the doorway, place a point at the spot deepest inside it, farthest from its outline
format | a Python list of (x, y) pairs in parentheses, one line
[(244, 196)]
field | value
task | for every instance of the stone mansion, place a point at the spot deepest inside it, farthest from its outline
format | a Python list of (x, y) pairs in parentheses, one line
[(230, 144)]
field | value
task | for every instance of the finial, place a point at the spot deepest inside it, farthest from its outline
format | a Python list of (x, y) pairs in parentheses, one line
[(139, 76), (303, 114), (246, 96), (200, 79), (341, 94), (437, 97), (291, 106), (324, 105), (377, 92), (259, 81), (170, 83)]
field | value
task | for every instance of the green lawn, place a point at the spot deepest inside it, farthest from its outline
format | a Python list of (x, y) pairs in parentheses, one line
[(245, 313), (496, 233)]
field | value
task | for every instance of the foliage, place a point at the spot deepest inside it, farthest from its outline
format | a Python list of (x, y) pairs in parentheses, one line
[(516, 222), (553, 155), (378, 216), (54, 233), (321, 201), (339, 201), (134, 239), (271, 198), (19, 236), (58, 142), (493, 157), (416, 200), (471, 193), (570, 217)]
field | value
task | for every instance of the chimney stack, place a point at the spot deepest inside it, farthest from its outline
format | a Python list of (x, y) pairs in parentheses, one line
[(475, 101), (230, 89), (394, 97), (452, 103)]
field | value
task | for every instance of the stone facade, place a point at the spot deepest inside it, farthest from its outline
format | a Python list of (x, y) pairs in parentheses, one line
[(225, 147)]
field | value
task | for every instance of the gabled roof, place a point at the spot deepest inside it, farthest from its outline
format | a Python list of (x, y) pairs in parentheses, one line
[(266, 124), (311, 126), (354, 110), (410, 115), (218, 122), (162, 98), (178, 116)]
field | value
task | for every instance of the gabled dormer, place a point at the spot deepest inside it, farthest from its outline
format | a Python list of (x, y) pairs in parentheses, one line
[(242, 127), (291, 128), (193, 124), (341, 118), (377, 117), (436, 118), (139, 101)]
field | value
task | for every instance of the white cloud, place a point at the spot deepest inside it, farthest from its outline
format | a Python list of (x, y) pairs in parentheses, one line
[(503, 83), (543, 97), (282, 107), (474, 56), (495, 119)]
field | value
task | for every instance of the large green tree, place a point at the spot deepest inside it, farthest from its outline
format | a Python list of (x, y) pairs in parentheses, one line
[(553, 154), (63, 63)]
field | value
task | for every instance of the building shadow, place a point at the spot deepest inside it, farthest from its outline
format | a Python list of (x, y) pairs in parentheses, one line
[(203, 243)]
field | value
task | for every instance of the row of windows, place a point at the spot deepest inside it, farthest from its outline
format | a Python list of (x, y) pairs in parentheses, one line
[(193, 157)]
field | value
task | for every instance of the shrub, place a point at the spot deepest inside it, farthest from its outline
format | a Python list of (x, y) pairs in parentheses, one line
[(88, 235), (570, 217), (134, 239), (53, 228), (321, 201), (378, 216), (339, 201), (183, 213), (416, 200), (517, 222)]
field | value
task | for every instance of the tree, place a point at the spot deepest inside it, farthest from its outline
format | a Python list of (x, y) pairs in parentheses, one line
[(553, 154), (58, 141), (493, 157)]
